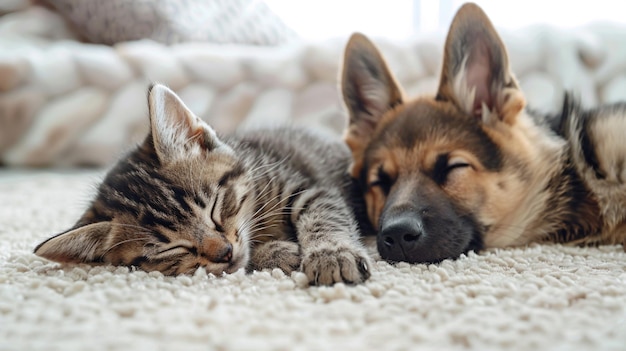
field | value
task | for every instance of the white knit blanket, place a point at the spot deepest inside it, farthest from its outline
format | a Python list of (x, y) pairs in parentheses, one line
[(535, 298), (63, 102)]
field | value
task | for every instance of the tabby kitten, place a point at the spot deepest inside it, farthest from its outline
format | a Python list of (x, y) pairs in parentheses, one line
[(186, 199)]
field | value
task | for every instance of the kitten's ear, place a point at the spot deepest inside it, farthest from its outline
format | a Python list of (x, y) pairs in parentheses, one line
[(86, 244), (369, 90), (176, 131), (476, 75)]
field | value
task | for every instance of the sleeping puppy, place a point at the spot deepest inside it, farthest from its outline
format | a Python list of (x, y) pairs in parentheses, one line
[(471, 167)]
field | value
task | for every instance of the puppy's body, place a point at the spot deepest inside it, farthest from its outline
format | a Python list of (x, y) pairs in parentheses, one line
[(471, 167), (596, 152)]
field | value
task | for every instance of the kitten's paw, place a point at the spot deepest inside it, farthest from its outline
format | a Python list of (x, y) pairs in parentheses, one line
[(326, 266), (277, 254)]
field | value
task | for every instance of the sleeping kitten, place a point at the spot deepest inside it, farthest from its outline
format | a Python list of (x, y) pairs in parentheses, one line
[(186, 199)]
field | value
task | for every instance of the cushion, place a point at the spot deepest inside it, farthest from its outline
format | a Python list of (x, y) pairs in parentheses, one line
[(175, 21)]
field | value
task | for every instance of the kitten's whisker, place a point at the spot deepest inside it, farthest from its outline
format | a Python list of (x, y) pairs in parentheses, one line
[(257, 242), (277, 213), (271, 166), (279, 202), (269, 213), (273, 212), (259, 175), (262, 231), (266, 172), (262, 207), (263, 238), (258, 229), (258, 236)]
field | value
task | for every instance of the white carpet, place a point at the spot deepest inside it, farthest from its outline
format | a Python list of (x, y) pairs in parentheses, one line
[(537, 298)]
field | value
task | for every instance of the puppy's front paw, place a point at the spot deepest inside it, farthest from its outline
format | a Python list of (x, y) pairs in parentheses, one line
[(326, 266)]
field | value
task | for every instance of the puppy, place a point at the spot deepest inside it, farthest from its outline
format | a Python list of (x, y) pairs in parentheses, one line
[(471, 167)]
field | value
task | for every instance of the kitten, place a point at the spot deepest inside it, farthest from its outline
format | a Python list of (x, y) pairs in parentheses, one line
[(186, 199)]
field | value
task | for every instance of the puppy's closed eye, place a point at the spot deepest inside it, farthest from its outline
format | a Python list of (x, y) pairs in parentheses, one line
[(457, 162), (382, 180)]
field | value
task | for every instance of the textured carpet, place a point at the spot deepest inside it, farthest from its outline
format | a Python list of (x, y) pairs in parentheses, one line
[(538, 298)]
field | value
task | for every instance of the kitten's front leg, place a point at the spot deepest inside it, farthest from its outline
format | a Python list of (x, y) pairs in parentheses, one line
[(276, 254), (328, 235)]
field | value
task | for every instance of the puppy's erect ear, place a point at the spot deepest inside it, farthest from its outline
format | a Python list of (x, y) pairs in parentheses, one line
[(476, 74), (176, 132), (85, 244), (369, 91)]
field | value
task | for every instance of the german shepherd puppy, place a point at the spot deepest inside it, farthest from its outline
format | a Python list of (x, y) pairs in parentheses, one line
[(471, 167)]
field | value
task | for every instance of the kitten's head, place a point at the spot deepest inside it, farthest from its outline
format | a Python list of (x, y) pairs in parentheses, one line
[(178, 202)]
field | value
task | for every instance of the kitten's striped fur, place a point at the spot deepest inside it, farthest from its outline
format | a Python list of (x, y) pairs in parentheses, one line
[(186, 199)]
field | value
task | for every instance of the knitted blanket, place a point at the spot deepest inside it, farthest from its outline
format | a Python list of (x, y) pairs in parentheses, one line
[(65, 102)]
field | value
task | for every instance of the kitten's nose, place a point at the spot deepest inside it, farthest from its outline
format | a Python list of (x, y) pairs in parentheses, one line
[(218, 250), (226, 255)]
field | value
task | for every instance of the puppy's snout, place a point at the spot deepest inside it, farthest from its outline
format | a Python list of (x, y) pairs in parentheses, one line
[(399, 236)]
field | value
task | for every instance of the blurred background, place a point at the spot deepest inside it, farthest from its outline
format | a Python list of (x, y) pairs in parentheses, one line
[(74, 73), (404, 18)]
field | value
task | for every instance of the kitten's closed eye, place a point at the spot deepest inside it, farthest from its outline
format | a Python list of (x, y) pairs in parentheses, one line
[(177, 248), (215, 254)]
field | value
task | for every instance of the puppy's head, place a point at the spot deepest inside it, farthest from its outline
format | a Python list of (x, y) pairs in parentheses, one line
[(439, 173)]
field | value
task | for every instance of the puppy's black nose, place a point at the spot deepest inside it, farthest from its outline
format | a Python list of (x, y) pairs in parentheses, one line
[(399, 235)]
